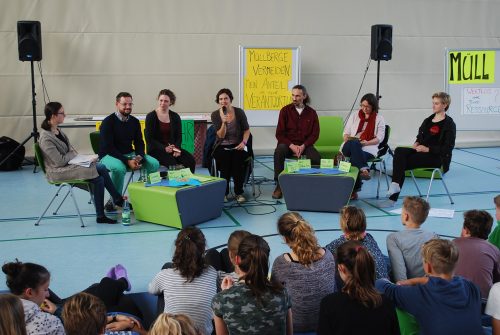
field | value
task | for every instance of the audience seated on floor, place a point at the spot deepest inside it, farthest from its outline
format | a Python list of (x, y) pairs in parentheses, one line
[(494, 237), (405, 246), (307, 271), (441, 302), (165, 324), (493, 308), (353, 225), (358, 308), (478, 259), (11, 315), (225, 260), (189, 285), (254, 305)]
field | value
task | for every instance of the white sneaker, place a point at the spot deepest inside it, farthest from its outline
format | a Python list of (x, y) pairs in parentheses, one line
[(393, 188), (240, 198)]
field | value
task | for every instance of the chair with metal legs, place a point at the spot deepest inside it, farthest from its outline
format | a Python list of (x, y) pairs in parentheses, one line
[(440, 175), (384, 149), (61, 184)]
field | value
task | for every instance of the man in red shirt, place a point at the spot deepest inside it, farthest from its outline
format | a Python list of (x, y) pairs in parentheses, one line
[(297, 131)]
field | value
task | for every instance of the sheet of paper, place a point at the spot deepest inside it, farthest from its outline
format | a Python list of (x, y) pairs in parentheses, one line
[(434, 212), (83, 160)]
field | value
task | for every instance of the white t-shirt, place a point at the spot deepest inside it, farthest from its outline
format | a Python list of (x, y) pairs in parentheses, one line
[(493, 305)]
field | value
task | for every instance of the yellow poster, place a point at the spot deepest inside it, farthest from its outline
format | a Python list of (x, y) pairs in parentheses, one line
[(267, 75), (466, 67)]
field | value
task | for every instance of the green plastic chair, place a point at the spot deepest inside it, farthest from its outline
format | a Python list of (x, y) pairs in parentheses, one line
[(70, 183), (330, 136)]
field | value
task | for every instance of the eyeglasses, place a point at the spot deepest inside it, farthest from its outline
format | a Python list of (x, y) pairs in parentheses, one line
[(61, 113), (365, 106), (125, 104)]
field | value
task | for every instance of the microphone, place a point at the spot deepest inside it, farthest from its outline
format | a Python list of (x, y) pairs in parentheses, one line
[(224, 110)]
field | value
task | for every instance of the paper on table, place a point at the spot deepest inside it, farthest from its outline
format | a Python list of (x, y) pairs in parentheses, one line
[(202, 178), (434, 212), (83, 160)]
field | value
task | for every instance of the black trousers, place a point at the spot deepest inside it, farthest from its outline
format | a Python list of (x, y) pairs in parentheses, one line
[(167, 159), (232, 164), (407, 159), (282, 152)]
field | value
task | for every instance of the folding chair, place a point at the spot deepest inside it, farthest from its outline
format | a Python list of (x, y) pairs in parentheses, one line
[(69, 183), (383, 149), (433, 172), (95, 138)]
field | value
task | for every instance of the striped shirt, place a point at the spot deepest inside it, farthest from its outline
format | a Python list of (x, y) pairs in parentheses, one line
[(191, 298)]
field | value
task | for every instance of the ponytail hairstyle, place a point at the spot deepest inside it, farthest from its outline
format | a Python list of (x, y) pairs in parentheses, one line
[(189, 250), (11, 315), (234, 242), (21, 276), (361, 266), (254, 262), (52, 108), (299, 235), (353, 222)]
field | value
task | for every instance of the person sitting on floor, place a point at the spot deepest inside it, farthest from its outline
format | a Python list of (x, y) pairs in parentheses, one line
[(441, 302), (11, 315), (307, 272), (493, 308), (190, 284), (353, 225), (358, 308), (478, 259), (494, 237), (405, 246)]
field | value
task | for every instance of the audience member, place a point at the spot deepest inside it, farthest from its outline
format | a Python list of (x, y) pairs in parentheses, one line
[(494, 237), (432, 148), (353, 225), (42, 308), (224, 261), (253, 305), (358, 308), (189, 286), (307, 272), (296, 132), (84, 314), (11, 315), (440, 302), (163, 134), (121, 145), (493, 308), (165, 324), (478, 259), (405, 246), (363, 132), (57, 152), (187, 325), (230, 149)]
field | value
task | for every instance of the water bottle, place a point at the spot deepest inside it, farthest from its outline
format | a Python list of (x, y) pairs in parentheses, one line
[(126, 214)]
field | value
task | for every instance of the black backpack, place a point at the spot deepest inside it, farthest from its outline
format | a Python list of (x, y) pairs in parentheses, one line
[(7, 145)]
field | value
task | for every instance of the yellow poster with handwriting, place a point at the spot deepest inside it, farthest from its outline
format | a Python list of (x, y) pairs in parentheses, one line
[(471, 66), (267, 75)]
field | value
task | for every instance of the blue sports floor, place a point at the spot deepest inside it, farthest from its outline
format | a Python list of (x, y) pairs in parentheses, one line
[(79, 256)]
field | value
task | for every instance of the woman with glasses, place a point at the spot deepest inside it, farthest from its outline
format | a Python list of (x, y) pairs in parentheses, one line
[(363, 132), (57, 152)]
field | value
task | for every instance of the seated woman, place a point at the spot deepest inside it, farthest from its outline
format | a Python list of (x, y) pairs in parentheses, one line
[(230, 152), (353, 225), (11, 315), (358, 308), (42, 308), (254, 305), (163, 134), (57, 152), (432, 148), (189, 286), (363, 132), (307, 272)]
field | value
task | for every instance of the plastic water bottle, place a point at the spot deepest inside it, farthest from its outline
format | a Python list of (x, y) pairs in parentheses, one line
[(126, 214)]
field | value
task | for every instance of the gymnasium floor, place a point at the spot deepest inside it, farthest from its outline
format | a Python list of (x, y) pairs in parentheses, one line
[(79, 256)]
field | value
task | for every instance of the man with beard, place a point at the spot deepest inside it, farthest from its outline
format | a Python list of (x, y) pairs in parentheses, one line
[(121, 145), (297, 131)]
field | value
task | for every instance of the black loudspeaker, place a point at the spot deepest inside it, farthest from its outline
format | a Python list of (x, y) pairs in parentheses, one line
[(29, 39), (381, 42)]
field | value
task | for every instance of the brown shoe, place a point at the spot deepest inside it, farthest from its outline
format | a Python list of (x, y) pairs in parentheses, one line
[(277, 194)]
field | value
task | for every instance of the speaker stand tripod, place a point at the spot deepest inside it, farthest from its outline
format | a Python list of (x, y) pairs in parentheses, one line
[(34, 134), (378, 79)]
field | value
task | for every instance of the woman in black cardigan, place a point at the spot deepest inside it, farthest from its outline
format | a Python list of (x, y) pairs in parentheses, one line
[(164, 134), (432, 148)]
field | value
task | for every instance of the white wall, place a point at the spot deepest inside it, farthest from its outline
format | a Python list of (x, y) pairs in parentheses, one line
[(93, 49)]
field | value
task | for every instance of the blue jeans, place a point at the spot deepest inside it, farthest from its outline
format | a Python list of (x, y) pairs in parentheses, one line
[(357, 157), (98, 185)]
